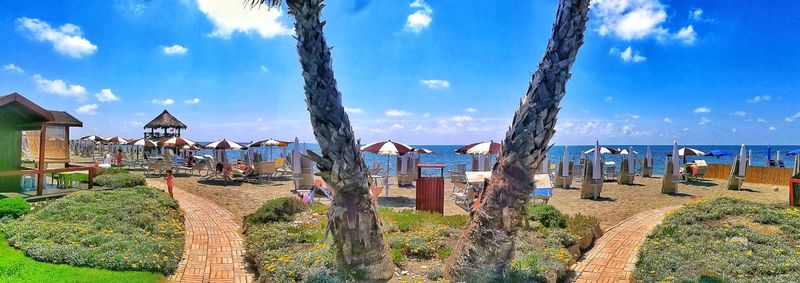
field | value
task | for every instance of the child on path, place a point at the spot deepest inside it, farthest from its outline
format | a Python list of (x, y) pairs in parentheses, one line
[(170, 182)]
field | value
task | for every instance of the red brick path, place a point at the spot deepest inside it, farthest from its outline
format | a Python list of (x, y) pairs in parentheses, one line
[(613, 257), (214, 250)]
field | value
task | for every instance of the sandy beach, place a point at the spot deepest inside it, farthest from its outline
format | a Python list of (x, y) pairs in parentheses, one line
[(618, 202)]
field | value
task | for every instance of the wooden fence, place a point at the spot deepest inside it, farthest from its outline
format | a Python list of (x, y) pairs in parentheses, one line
[(758, 175)]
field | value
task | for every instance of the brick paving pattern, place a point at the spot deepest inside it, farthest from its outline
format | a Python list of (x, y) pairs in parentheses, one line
[(214, 251), (613, 257)]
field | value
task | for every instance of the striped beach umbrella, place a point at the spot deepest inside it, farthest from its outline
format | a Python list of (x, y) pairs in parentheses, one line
[(489, 147), (422, 151), (143, 142), (223, 144), (387, 147), (93, 138), (117, 140), (175, 142), (603, 150)]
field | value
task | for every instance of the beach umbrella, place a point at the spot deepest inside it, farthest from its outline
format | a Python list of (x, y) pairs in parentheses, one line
[(794, 152), (422, 151), (648, 158), (718, 152), (117, 140), (676, 167), (93, 138), (387, 147), (626, 151), (603, 150), (489, 147), (749, 160), (742, 162), (142, 142), (270, 142), (565, 163), (597, 169), (223, 144), (686, 151), (175, 142), (631, 161)]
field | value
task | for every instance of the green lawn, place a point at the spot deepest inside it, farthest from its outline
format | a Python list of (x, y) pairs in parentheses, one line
[(16, 267)]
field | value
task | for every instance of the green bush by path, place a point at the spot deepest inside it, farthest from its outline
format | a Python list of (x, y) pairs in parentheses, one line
[(723, 240), (13, 207), (16, 267), (120, 180), (280, 209), (547, 215), (127, 229)]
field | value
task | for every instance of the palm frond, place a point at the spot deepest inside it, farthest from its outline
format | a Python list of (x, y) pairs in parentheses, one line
[(269, 3)]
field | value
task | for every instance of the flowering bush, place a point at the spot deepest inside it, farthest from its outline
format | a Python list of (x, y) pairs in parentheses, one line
[(120, 180), (723, 239), (128, 229), (280, 209)]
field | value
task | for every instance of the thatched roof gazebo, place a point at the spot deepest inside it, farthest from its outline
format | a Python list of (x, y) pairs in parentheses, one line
[(172, 126)]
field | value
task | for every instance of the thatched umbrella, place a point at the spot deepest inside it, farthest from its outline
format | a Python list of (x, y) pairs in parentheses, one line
[(165, 121)]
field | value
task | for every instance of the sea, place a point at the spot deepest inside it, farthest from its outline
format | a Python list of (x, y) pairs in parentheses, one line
[(446, 154)]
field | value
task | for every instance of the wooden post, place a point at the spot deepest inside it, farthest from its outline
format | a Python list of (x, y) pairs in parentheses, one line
[(91, 176), (40, 173)]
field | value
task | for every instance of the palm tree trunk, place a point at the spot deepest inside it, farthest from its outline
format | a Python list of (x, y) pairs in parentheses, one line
[(353, 219), (487, 243)]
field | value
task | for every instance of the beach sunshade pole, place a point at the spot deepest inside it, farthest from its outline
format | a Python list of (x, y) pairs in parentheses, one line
[(675, 166), (596, 167)]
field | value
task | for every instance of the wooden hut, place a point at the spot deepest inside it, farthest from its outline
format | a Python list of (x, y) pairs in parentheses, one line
[(172, 127), (20, 118)]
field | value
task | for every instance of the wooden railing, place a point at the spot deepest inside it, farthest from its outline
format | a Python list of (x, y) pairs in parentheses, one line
[(758, 175), (40, 174)]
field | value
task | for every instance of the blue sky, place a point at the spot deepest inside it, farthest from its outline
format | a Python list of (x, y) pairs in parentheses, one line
[(421, 72)]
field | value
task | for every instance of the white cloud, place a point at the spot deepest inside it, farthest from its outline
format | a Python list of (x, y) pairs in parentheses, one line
[(471, 110), (733, 130), (696, 14), (192, 101), (608, 99), (66, 39), (759, 98), (264, 68), (353, 110), (396, 113), (627, 130), (230, 17), (59, 87), (793, 117), (628, 55), (702, 110), (761, 120), (397, 126), (105, 95), (704, 120), (461, 118), (421, 18), (435, 84), (667, 120), (740, 113), (13, 69), (685, 129), (175, 49), (88, 109), (163, 102), (630, 19), (687, 35), (772, 128)]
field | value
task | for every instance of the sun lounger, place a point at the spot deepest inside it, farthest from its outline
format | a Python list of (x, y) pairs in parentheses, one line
[(610, 170), (669, 184), (543, 189)]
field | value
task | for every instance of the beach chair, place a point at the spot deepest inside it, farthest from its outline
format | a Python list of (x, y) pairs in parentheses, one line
[(282, 169), (577, 171), (737, 175), (404, 178), (699, 169), (592, 184), (670, 181), (544, 188), (610, 170), (264, 171), (155, 166), (647, 168), (459, 184), (563, 180), (375, 186), (627, 172)]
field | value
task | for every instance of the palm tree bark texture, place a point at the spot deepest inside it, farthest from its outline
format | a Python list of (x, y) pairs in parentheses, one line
[(353, 219), (487, 242)]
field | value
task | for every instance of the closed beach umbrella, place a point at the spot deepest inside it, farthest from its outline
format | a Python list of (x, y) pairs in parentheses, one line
[(224, 144), (175, 142), (749, 160), (648, 157), (769, 153), (631, 161), (676, 167), (296, 166), (742, 162), (565, 163), (489, 147), (597, 169)]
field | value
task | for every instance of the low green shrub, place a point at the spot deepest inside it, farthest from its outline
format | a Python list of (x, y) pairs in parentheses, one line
[(723, 240), (408, 219), (578, 223), (127, 229), (120, 180), (116, 170), (280, 209), (547, 215), (13, 207), (435, 273), (423, 242)]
